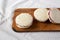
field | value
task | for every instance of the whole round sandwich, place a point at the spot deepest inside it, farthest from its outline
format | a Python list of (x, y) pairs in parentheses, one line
[(24, 20), (41, 14), (54, 15)]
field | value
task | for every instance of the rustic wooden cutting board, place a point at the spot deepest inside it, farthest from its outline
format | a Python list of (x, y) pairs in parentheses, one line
[(36, 26)]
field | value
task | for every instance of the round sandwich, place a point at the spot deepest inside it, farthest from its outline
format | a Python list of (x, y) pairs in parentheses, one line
[(54, 15), (24, 20), (41, 14)]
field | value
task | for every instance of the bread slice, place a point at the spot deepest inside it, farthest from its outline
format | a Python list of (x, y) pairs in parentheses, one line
[(54, 15), (41, 14), (24, 20)]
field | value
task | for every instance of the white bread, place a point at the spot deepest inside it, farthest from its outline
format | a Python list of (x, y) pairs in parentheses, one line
[(41, 14), (54, 15), (24, 20)]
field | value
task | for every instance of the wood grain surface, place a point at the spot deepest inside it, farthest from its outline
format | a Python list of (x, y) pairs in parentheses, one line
[(36, 26)]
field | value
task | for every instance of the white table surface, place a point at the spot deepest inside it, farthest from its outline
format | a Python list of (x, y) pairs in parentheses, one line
[(6, 32)]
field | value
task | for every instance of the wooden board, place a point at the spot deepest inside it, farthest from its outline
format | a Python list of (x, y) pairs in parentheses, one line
[(36, 26)]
